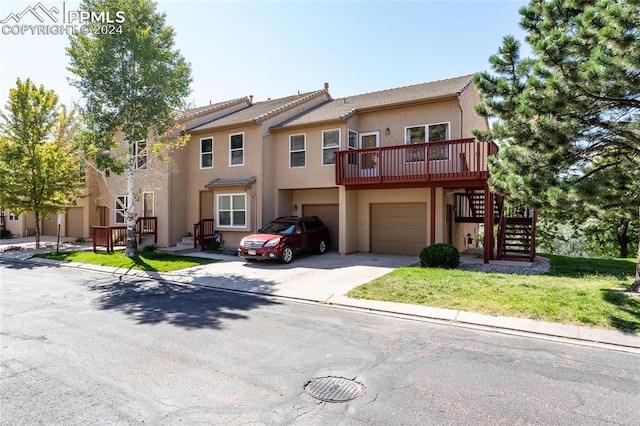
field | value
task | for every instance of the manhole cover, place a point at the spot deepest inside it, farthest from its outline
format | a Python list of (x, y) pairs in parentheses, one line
[(334, 389)]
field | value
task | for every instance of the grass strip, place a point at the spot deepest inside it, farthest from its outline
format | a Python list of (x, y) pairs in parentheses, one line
[(144, 261), (576, 291)]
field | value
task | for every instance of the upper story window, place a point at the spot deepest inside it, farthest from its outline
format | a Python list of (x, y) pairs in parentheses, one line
[(121, 207), (297, 150), (232, 210), (427, 133), (139, 153), (13, 217), (352, 140), (352, 143), (330, 145), (236, 149), (206, 153)]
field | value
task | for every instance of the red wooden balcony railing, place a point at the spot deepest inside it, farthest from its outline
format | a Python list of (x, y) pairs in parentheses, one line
[(461, 159)]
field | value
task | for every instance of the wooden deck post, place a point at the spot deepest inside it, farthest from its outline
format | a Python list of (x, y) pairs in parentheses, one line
[(488, 224), (432, 236)]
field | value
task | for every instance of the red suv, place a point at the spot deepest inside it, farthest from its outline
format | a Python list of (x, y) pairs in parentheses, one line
[(284, 237)]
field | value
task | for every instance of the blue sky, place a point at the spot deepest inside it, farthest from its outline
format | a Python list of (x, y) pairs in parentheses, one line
[(277, 48)]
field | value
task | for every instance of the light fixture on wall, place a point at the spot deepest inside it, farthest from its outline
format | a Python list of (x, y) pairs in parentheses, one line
[(387, 132), (295, 207)]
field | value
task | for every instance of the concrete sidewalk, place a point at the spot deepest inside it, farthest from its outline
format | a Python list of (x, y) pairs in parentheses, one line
[(326, 279)]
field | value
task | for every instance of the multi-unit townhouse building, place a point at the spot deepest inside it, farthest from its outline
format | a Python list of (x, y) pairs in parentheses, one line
[(390, 171)]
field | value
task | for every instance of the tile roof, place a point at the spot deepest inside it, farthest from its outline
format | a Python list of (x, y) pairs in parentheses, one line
[(343, 108), (190, 114), (261, 111)]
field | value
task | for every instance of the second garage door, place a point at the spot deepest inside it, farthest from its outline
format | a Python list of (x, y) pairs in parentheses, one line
[(329, 215), (75, 217), (50, 226), (398, 228)]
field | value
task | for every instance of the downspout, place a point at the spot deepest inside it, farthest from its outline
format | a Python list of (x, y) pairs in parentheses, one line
[(461, 117), (255, 208)]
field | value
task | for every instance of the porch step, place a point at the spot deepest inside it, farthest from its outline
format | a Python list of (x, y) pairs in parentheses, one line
[(183, 246), (176, 249), (185, 242)]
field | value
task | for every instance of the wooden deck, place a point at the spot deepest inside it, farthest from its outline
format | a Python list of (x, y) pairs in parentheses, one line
[(443, 163)]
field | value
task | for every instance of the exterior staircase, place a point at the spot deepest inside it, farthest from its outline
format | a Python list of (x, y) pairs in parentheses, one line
[(516, 225), (516, 234)]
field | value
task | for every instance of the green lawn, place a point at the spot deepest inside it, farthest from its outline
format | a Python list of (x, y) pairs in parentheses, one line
[(145, 261), (576, 291)]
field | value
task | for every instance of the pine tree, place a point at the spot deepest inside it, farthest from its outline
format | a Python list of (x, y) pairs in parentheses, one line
[(569, 116)]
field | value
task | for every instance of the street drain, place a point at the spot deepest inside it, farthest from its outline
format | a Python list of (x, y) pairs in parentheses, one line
[(334, 389)]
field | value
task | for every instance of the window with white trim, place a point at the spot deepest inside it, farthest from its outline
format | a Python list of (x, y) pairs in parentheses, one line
[(352, 143), (121, 207), (14, 217), (330, 145), (206, 153), (236, 149), (139, 153), (297, 150), (232, 210), (427, 133)]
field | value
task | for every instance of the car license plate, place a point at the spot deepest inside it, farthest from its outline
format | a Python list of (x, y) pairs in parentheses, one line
[(251, 252)]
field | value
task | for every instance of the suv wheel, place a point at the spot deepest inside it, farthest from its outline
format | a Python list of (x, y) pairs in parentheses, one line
[(287, 254), (322, 247)]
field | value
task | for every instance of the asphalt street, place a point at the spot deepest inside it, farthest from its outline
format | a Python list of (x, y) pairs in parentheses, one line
[(82, 347)]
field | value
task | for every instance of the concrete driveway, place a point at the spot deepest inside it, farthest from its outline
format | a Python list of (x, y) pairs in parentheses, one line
[(308, 277)]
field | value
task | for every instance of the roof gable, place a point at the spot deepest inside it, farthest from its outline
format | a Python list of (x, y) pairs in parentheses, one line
[(260, 111), (343, 108)]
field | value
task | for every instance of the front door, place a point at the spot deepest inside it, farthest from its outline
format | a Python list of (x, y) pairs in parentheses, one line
[(369, 159)]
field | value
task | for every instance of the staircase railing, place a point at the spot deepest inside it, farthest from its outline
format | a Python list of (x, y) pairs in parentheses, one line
[(502, 225), (203, 231), (147, 226)]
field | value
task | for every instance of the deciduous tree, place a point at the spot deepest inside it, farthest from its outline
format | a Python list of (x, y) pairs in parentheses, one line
[(131, 81), (40, 172)]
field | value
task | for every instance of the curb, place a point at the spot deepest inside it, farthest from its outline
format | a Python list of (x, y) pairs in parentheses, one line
[(610, 339)]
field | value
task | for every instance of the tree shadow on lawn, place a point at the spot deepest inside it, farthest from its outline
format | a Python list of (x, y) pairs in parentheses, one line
[(191, 307), (565, 266), (626, 303)]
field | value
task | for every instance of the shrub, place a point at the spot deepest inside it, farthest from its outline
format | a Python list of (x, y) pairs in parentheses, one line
[(5, 233), (149, 248), (79, 240), (440, 256)]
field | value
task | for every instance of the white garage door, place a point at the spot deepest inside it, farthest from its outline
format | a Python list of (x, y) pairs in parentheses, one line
[(398, 228)]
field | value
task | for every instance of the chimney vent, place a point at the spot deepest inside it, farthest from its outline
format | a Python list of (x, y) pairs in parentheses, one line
[(326, 86)]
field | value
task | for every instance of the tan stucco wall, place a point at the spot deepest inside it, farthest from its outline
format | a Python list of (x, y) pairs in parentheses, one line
[(174, 212), (314, 174), (348, 210), (16, 227), (398, 118), (155, 179), (196, 178), (468, 100)]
